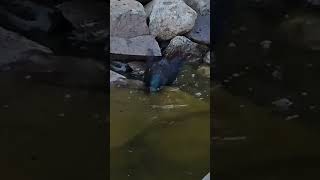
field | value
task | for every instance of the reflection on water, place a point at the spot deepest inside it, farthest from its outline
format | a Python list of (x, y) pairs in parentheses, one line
[(165, 136)]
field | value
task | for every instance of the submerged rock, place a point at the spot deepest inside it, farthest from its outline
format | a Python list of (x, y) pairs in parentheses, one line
[(169, 18)]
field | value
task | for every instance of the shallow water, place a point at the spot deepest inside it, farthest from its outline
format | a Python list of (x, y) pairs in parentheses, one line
[(164, 136)]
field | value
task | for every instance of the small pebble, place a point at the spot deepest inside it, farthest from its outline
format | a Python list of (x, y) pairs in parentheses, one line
[(198, 94), (61, 115), (312, 107), (27, 77), (193, 75), (235, 75), (243, 28), (266, 44), (232, 45), (292, 117), (67, 96), (304, 93)]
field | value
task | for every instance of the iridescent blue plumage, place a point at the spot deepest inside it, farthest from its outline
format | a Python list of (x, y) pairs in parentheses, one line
[(162, 73)]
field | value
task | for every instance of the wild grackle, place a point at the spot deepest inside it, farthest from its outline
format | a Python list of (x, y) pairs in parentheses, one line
[(162, 73)]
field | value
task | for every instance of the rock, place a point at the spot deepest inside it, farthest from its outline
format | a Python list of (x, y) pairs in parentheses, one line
[(206, 58), (204, 71), (118, 80), (88, 18), (148, 8), (202, 7), (138, 67), (207, 177), (201, 30), (33, 20), (170, 18), (120, 67), (282, 104), (193, 51), (127, 19), (13, 47), (134, 46)]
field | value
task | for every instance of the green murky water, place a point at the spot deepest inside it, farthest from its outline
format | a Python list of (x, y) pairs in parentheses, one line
[(165, 136)]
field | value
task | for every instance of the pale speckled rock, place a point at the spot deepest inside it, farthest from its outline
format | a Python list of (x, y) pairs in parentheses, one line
[(192, 50), (170, 18), (148, 8), (13, 47), (127, 19), (134, 46), (201, 6), (206, 58)]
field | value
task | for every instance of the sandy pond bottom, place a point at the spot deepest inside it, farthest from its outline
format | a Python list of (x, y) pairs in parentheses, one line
[(163, 136)]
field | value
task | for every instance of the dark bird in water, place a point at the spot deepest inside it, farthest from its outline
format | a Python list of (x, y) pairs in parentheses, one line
[(162, 72)]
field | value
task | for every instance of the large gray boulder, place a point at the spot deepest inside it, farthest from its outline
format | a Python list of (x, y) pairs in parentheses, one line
[(88, 19), (201, 30), (169, 18), (127, 19), (14, 47), (194, 52), (137, 46), (201, 6)]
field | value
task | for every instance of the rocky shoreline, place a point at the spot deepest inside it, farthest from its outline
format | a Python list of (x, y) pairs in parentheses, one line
[(165, 27)]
